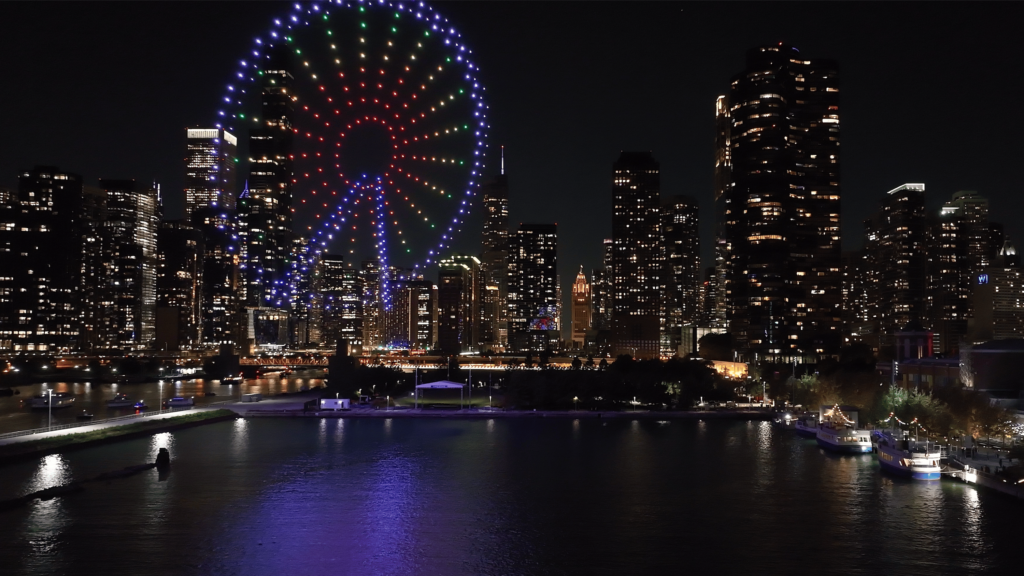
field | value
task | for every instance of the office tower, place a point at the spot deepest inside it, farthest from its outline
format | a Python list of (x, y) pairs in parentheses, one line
[(708, 295), (601, 290), (494, 265), (341, 291), (716, 315), (983, 238), (533, 304), (582, 310), (422, 296), (303, 303), (120, 260), (40, 260), (265, 209), (637, 255), (783, 277), (221, 285), (858, 322), (458, 304), (209, 169), (373, 320), (962, 245), (998, 299), (179, 286), (895, 260), (681, 237)]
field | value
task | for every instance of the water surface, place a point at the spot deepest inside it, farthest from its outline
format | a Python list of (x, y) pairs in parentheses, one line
[(538, 496)]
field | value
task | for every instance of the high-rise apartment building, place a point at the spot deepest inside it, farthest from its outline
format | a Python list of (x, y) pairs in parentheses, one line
[(265, 208), (40, 262), (783, 277), (582, 310), (895, 262), (179, 286), (637, 255), (458, 305), (963, 244), (681, 234), (998, 299), (533, 304), (121, 263), (601, 290), (341, 291), (221, 285), (209, 169)]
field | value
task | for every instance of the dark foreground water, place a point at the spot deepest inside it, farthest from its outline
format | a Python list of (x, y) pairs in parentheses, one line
[(546, 496)]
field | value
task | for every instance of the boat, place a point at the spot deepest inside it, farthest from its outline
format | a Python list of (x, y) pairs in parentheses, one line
[(179, 401), (140, 405), (806, 426), (231, 379), (838, 431), (120, 401), (84, 416), (906, 457), (55, 400)]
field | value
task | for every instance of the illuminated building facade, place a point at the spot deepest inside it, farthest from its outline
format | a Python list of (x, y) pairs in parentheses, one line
[(998, 299), (533, 304), (783, 277), (582, 310), (209, 169), (121, 248), (962, 245), (40, 261), (638, 255), (179, 286), (458, 304), (265, 208), (681, 234), (494, 265), (341, 291), (895, 262)]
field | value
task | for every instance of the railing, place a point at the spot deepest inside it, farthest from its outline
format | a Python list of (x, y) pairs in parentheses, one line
[(79, 424)]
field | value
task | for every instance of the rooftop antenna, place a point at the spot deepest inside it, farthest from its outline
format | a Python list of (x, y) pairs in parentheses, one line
[(503, 160)]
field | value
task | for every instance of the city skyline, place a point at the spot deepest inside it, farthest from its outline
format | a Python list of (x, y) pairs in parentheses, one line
[(886, 84)]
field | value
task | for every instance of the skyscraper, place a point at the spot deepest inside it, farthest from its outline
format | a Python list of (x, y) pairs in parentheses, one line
[(582, 309), (265, 209), (637, 255), (783, 277), (998, 299), (681, 233), (961, 246), (40, 259), (179, 288), (341, 290), (494, 265), (209, 169), (895, 260), (122, 311), (533, 305), (458, 304)]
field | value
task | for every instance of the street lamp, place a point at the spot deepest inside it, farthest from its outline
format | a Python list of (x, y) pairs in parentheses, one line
[(49, 409), (575, 399)]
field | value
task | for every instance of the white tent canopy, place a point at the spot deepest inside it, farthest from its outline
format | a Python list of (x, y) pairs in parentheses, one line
[(440, 385)]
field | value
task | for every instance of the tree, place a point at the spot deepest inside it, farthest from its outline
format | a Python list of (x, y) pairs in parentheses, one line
[(577, 363), (715, 346)]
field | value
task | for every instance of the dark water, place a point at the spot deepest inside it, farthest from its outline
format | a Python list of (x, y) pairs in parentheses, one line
[(546, 496), (15, 414)]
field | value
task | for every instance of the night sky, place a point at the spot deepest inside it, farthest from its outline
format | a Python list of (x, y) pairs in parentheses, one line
[(929, 94)]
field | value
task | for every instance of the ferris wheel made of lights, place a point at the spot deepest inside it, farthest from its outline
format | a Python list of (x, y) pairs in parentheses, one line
[(366, 70)]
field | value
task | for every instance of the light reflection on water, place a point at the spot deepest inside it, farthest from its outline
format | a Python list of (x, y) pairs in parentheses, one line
[(407, 496)]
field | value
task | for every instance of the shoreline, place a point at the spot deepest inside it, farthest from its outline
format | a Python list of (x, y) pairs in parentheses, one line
[(485, 415), (30, 449)]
